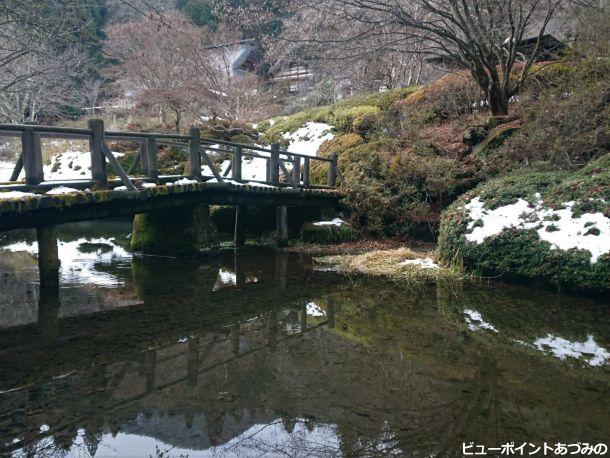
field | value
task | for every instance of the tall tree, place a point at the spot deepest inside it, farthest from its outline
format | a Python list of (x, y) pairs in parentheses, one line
[(481, 35)]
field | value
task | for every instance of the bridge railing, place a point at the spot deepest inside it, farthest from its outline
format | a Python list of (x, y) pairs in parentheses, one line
[(282, 168)]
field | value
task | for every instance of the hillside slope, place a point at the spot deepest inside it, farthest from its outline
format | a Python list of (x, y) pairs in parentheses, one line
[(406, 156)]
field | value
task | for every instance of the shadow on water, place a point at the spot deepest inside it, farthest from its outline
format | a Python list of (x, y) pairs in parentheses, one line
[(256, 353)]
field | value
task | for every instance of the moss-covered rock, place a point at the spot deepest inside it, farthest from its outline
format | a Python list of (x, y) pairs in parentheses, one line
[(550, 227), (327, 233)]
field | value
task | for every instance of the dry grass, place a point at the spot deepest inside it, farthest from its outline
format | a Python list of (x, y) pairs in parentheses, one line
[(387, 263), (360, 246)]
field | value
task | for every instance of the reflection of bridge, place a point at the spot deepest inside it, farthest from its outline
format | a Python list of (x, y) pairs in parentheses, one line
[(119, 375), (178, 204)]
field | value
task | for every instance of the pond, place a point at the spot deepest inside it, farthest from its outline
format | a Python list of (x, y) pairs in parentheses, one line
[(258, 353)]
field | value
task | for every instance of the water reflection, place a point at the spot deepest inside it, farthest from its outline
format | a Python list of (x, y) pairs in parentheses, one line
[(298, 362)]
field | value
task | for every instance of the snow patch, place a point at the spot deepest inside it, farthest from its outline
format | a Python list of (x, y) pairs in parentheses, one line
[(149, 185), (61, 190), (314, 309), (558, 227), (6, 170), (260, 185), (15, 195), (334, 222), (475, 321), (308, 139), (71, 165), (425, 263), (588, 351), (182, 182)]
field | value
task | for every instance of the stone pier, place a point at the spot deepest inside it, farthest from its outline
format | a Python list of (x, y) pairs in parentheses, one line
[(175, 232), (48, 257)]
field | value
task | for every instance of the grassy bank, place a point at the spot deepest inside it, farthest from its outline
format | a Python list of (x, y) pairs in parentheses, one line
[(403, 265)]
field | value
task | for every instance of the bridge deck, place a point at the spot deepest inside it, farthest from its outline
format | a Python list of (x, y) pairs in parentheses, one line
[(35, 210)]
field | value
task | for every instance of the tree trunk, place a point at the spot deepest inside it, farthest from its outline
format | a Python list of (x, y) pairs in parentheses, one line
[(177, 121), (498, 100)]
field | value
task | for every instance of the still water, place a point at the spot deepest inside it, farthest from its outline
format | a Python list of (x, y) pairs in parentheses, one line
[(255, 353)]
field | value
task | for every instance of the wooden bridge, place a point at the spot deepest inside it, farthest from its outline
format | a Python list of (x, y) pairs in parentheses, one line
[(166, 207)]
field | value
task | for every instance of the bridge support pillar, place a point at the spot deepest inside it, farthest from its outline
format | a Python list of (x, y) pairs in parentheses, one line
[(179, 232), (48, 313), (240, 226), (281, 224), (48, 257)]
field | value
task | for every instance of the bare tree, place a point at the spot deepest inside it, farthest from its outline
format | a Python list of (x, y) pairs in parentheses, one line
[(167, 63), (42, 92), (480, 35)]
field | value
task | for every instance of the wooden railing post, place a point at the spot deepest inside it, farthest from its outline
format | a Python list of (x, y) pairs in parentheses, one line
[(296, 171), (332, 171), (143, 151), (98, 160), (237, 154), (306, 172), (32, 156), (194, 155), (274, 165), (151, 150)]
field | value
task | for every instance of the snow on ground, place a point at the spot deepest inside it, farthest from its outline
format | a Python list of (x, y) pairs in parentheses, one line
[(15, 195), (260, 185), (558, 227), (149, 185), (425, 263), (207, 171), (182, 182), (334, 222), (475, 321), (254, 168), (588, 351), (308, 139), (314, 309), (61, 190), (71, 165), (6, 170)]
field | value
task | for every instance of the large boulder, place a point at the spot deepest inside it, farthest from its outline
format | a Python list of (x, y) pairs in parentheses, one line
[(548, 226)]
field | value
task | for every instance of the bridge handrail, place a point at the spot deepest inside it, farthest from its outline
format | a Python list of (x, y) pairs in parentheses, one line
[(30, 158)]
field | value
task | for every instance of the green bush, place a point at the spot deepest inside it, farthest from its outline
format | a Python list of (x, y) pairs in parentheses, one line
[(360, 119), (566, 113), (327, 234)]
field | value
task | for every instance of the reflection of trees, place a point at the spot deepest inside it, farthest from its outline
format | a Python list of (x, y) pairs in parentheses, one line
[(403, 378)]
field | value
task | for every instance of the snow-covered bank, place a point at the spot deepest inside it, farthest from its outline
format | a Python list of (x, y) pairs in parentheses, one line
[(308, 139), (563, 230), (550, 227)]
